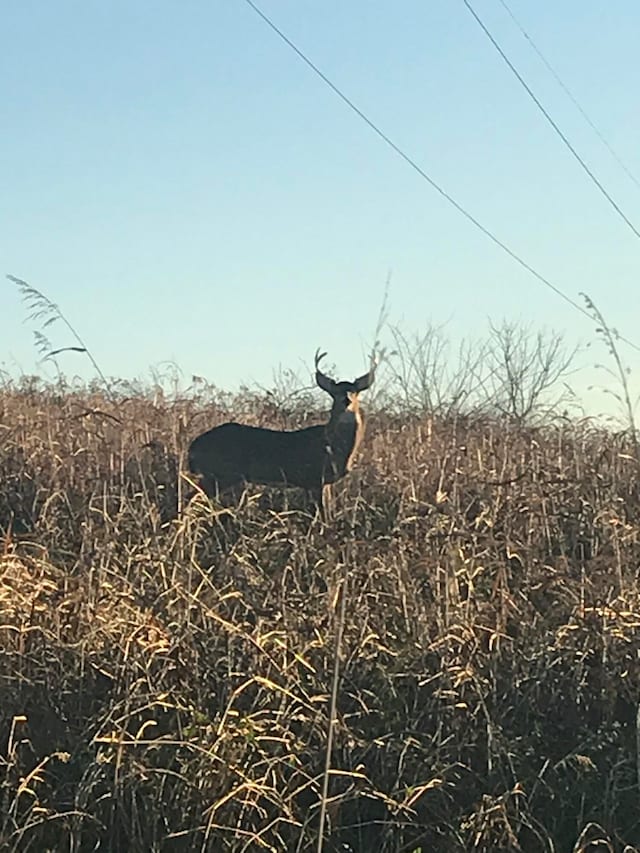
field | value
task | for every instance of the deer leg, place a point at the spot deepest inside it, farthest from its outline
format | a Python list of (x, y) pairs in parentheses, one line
[(328, 502), (323, 501), (316, 497)]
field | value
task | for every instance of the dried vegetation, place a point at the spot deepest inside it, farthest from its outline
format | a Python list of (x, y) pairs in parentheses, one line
[(166, 666)]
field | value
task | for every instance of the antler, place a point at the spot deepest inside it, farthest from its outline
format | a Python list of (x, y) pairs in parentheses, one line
[(318, 357), (321, 378)]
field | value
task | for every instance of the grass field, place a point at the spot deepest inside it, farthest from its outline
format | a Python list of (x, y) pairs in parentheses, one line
[(167, 665)]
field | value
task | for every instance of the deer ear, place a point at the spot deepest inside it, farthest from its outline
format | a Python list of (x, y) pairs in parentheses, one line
[(363, 382), (325, 382)]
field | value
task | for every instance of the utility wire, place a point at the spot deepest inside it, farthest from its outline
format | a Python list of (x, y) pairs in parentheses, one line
[(528, 90), (571, 96), (412, 163)]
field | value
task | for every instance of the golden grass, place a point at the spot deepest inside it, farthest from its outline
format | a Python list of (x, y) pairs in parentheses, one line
[(166, 667)]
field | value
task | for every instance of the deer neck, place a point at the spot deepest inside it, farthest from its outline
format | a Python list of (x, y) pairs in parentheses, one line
[(344, 434)]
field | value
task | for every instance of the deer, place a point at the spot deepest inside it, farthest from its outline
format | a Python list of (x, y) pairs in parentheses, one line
[(312, 458)]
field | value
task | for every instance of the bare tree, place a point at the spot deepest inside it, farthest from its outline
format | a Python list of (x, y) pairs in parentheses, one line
[(427, 376), (524, 370)]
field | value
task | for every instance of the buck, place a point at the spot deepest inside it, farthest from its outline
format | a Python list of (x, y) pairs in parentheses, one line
[(233, 454)]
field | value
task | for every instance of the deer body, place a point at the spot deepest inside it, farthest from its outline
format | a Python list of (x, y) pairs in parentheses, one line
[(311, 458)]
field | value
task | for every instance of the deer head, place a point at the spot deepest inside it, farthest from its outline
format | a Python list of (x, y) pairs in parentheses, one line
[(342, 390)]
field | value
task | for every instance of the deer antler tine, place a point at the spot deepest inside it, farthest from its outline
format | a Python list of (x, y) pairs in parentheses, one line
[(318, 357), (325, 382)]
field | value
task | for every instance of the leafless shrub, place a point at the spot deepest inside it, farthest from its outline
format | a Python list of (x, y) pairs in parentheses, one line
[(524, 369), (513, 373), (426, 377)]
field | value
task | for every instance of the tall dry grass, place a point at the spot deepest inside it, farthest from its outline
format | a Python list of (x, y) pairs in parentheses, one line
[(166, 665)]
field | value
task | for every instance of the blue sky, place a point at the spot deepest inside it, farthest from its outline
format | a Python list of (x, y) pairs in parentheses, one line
[(183, 186)]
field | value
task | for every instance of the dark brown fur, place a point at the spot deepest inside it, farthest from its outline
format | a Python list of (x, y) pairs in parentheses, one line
[(232, 454)]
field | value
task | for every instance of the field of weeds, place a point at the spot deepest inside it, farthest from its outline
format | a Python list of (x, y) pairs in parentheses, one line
[(167, 666)]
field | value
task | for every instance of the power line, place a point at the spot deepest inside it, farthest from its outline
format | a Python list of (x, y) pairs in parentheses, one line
[(553, 124), (412, 163), (571, 96)]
